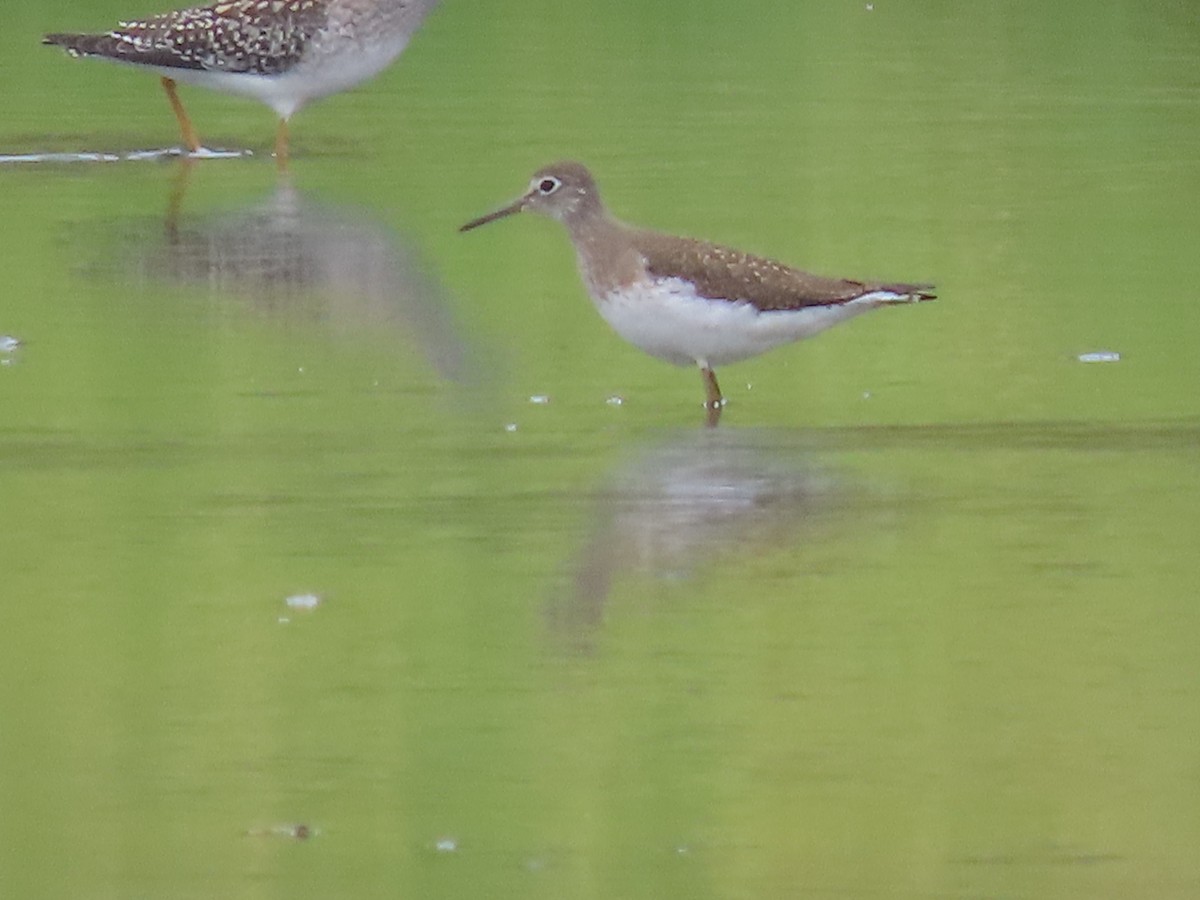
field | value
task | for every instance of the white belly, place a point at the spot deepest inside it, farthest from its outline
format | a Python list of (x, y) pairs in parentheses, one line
[(667, 320), (310, 79)]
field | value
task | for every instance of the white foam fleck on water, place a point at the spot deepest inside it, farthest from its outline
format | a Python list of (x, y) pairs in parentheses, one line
[(206, 153), (141, 155), (1100, 356), (615, 400), (298, 831), (87, 156), (303, 601), (57, 157), (8, 343), (539, 399), (510, 427)]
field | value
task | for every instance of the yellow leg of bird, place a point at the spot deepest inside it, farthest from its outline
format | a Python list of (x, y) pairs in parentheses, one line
[(281, 144), (713, 401), (190, 139), (175, 200)]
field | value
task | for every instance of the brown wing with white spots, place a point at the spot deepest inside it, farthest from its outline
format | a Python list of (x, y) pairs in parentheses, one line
[(265, 37), (723, 273)]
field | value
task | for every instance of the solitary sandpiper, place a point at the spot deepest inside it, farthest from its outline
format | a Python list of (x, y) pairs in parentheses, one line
[(689, 301), (283, 53)]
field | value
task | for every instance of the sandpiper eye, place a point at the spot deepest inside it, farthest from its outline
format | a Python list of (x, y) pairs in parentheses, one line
[(549, 185)]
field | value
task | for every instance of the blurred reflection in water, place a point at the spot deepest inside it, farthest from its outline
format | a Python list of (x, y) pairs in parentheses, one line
[(677, 507), (299, 260)]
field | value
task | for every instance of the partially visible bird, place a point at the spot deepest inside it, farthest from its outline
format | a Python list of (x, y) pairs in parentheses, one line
[(284, 53)]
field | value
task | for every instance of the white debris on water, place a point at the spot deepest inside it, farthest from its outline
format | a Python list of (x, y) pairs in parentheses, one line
[(126, 155), (1100, 356), (303, 601), (510, 427), (615, 400), (206, 153), (446, 845), (297, 831), (57, 157), (539, 399), (8, 343)]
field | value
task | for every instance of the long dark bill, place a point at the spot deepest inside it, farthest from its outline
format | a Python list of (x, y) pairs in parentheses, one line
[(515, 207)]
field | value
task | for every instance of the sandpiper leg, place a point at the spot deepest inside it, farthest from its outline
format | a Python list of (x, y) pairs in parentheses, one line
[(712, 390), (713, 401), (281, 144), (175, 201), (190, 139)]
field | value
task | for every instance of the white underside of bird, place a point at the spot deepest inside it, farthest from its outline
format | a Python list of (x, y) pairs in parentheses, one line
[(666, 318), (308, 80)]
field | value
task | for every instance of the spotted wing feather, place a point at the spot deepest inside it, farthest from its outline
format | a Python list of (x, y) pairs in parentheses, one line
[(723, 273), (265, 37)]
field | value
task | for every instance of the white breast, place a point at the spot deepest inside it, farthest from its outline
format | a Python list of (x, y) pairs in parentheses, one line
[(666, 319), (318, 75)]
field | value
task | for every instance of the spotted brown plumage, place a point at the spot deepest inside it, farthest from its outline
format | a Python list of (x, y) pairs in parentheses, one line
[(266, 37), (686, 300), (721, 273), (284, 53)]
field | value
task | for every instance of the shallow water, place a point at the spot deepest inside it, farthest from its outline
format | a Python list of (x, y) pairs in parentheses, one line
[(345, 554)]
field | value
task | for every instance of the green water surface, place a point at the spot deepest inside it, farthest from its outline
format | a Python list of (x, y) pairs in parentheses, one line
[(918, 620)]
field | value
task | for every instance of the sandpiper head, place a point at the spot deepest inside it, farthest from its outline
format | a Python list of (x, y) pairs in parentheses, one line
[(562, 191)]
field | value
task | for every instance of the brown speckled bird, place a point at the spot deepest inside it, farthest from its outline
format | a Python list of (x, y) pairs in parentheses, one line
[(284, 53), (686, 301)]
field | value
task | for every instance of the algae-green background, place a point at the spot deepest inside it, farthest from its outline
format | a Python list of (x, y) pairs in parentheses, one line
[(918, 620)]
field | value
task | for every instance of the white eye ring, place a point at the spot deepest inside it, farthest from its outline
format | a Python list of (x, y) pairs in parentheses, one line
[(547, 185)]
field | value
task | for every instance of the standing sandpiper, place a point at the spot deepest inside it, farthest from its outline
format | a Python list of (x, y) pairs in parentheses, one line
[(283, 53), (689, 301)]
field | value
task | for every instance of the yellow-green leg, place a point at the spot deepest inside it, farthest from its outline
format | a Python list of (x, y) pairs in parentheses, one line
[(281, 144), (190, 139), (713, 401)]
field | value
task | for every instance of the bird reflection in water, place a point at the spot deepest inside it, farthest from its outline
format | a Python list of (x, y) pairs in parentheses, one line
[(691, 502), (295, 259)]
